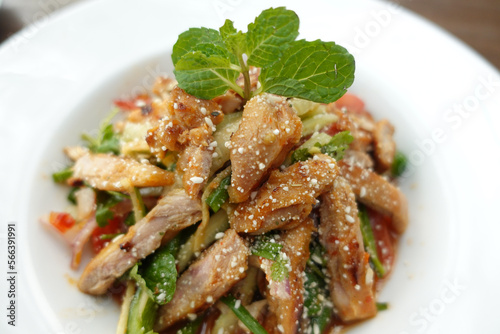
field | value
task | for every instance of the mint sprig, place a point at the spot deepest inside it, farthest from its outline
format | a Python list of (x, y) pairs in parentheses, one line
[(208, 62)]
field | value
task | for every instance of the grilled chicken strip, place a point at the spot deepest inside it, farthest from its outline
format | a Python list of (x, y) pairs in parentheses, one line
[(205, 281), (106, 172), (378, 193), (173, 212), (286, 302), (385, 146), (268, 130), (287, 198), (351, 286)]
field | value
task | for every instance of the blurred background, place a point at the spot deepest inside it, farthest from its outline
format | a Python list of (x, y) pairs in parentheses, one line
[(476, 22)]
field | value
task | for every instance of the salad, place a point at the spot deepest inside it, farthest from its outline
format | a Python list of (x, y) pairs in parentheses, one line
[(250, 194)]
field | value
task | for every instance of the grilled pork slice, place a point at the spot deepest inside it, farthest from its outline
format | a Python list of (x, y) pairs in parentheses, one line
[(172, 213), (287, 198), (205, 281), (351, 284), (385, 147), (106, 172), (378, 193), (286, 298), (268, 130)]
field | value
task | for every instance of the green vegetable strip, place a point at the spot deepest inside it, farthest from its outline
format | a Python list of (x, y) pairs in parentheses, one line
[(62, 175), (382, 306), (142, 313), (243, 314), (220, 195), (138, 204), (399, 164), (369, 241)]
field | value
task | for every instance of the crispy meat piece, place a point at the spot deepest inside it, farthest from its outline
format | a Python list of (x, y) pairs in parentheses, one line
[(184, 112), (106, 171), (195, 161), (385, 147), (268, 130), (359, 158), (287, 198), (173, 212), (378, 193), (285, 298), (230, 101), (351, 285), (361, 128), (219, 268), (187, 128)]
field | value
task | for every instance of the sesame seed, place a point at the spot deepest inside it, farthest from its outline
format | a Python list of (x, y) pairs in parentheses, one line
[(196, 179)]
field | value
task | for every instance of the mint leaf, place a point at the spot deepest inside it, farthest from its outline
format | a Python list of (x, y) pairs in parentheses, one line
[(316, 71), (190, 40), (234, 40), (158, 273), (205, 77), (269, 34)]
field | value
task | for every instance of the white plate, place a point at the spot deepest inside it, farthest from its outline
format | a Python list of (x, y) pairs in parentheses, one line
[(58, 78)]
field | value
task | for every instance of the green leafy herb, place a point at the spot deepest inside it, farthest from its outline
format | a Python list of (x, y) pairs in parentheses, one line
[(191, 327), (382, 306), (369, 241), (279, 269), (335, 148), (208, 62), (265, 246), (301, 154), (273, 29), (337, 145), (157, 274), (242, 313), (220, 195), (399, 164), (62, 175), (142, 313), (316, 71), (105, 201), (106, 141)]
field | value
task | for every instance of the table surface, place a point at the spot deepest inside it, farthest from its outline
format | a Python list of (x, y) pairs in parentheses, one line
[(476, 22)]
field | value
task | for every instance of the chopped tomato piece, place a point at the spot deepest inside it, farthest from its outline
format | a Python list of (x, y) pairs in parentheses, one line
[(113, 227), (62, 221), (351, 102), (385, 240), (133, 103)]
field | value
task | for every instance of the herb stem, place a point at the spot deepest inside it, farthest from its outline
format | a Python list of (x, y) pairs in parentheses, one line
[(246, 77)]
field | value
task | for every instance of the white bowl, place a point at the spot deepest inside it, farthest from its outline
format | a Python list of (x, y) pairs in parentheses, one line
[(59, 80)]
